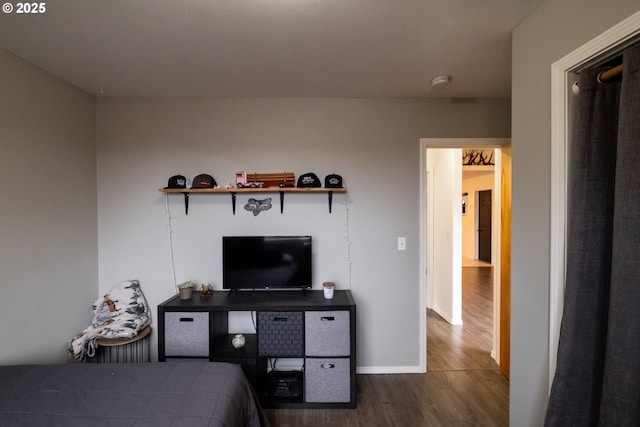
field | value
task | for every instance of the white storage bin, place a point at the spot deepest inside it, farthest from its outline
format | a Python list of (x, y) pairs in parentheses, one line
[(327, 333), (186, 334), (327, 380)]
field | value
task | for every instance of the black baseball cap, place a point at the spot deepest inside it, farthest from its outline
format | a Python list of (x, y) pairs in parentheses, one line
[(203, 181), (309, 180), (177, 181), (333, 181)]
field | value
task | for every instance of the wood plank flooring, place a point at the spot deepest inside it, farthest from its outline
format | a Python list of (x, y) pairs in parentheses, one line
[(467, 346), (463, 385)]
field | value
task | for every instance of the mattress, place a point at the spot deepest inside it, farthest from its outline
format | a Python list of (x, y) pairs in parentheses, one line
[(138, 394)]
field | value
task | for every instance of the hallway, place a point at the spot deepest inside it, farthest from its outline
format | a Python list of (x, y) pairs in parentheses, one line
[(468, 346)]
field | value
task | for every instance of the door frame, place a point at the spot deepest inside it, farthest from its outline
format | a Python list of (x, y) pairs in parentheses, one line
[(608, 44), (424, 144)]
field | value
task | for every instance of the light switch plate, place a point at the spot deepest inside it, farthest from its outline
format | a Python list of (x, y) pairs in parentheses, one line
[(402, 243)]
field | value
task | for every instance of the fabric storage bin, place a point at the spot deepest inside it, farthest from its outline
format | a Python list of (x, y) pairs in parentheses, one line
[(327, 333), (186, 334), (327, 380), (280, 334)]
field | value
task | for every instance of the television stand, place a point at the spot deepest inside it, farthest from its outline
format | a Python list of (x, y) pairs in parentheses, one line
[(290, 324), (232, 291)]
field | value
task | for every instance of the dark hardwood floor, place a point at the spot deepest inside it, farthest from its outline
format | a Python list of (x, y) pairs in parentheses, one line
[(462, 387)]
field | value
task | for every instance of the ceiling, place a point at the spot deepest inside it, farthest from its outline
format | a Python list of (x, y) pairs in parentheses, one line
[(272, 48)]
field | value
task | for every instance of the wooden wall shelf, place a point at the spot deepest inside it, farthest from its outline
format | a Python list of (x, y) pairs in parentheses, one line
[(252, 190), (235, 191)]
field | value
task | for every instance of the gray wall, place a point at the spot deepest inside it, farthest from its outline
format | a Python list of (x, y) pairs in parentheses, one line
[(48, 223), (552, 31), (83, 213), (372, 143)]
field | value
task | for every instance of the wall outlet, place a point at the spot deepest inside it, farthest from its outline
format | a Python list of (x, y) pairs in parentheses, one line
[(402, 243)]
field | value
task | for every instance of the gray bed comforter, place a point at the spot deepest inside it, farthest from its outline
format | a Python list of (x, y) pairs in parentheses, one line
[(137, 394)]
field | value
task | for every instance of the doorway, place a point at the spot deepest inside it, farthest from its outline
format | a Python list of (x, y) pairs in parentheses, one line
[(484, 225), (428, 186)]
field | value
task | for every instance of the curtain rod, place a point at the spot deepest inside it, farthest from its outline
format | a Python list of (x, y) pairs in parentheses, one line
[(609, 74)]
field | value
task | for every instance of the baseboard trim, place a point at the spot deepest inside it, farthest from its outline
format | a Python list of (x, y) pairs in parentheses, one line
[(447, 317), (389, 370)]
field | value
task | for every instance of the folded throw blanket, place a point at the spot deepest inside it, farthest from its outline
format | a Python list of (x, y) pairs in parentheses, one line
[(122, 313)]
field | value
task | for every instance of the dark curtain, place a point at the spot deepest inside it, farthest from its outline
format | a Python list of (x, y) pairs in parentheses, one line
[(597, 379)]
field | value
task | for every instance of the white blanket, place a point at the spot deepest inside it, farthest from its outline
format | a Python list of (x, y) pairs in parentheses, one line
[(122, 313)]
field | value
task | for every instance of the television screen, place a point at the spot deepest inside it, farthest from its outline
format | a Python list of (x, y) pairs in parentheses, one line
[(266, 262)]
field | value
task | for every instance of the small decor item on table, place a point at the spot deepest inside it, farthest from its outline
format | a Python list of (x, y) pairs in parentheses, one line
[(238, 341), (185, 289), (328, 288), (206, 290)]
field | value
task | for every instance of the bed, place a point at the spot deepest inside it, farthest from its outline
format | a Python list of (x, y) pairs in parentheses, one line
[(136, 394)]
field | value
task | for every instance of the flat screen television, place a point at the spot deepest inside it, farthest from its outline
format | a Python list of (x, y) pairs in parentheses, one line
[(266, 262)]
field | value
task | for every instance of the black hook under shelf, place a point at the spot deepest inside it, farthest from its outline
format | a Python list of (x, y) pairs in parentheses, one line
[(233, 202), (186, 203)]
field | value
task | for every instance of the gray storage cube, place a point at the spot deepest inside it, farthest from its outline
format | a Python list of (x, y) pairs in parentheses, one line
[(327, 380), (186, 334), (327, 333)]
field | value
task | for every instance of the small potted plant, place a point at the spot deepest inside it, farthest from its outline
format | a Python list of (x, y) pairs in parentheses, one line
[(185, 289)]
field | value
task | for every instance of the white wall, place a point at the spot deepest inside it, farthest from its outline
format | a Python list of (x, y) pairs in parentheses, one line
[(372, 143), (444, 165), (472, 182), (48, 248), (555, 29)]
